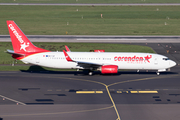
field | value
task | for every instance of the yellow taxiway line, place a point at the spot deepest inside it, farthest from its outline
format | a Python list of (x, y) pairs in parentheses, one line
[(94, 92), (88, 92), (144, 91), (137, 91), (148, 91)]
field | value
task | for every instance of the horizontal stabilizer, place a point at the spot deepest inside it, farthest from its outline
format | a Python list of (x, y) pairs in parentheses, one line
[(12, 52)]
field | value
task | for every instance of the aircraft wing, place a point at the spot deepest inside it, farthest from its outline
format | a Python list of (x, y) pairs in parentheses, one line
[(88, 64), (81, 63)]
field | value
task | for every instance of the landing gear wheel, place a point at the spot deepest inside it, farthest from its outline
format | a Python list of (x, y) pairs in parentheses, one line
[(90, 73), (158, 73)]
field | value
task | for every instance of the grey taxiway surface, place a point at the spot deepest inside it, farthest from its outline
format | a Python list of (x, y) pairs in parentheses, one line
[(98, 38), (75, 95)]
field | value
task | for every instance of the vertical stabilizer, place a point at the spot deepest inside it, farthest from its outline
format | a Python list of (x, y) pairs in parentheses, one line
[(21, 44)]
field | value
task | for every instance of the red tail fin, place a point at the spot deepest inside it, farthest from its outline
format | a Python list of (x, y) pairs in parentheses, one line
[(21, 44)]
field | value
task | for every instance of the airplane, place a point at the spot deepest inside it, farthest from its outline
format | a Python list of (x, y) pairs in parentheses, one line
[(106, 62)]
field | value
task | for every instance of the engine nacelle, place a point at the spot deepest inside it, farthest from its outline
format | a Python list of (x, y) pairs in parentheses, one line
[(109, 69), (99, 50)]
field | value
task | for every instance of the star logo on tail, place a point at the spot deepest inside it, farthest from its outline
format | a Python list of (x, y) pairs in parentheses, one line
[(24, 46)]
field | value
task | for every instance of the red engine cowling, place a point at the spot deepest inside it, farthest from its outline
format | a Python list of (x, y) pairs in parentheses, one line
[(109, 69)]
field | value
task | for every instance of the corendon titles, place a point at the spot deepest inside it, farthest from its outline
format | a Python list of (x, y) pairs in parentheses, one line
[(16, 33), (133, 59)]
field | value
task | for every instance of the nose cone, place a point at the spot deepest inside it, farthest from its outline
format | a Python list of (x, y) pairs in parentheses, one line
[(172, 63)]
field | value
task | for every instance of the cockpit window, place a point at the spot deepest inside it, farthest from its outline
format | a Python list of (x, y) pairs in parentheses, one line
[(165, 58)]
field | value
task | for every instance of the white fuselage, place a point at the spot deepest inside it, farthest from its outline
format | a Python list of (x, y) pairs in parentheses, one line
[(124, 60)]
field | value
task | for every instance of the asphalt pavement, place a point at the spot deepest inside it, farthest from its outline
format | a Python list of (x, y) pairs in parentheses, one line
[(98, 39), (75, 95)]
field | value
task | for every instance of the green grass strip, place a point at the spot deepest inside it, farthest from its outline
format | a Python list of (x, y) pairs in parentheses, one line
[(86, 20), (89, 1)]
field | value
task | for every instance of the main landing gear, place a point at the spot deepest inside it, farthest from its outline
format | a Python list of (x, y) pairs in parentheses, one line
[(90, 73), (158, 73)]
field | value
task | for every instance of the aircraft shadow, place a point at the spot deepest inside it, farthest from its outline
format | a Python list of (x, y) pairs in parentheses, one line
[(39, 69)]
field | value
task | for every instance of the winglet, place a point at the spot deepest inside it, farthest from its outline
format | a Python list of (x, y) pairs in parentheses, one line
[(67, 57), (67, 49)]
